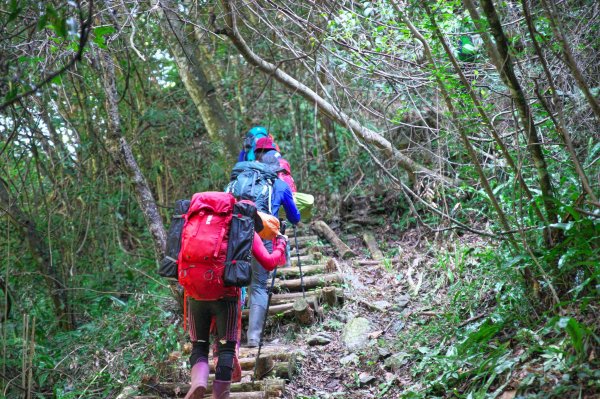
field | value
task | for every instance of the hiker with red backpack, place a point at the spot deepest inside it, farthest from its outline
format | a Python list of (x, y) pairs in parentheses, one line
[(217, 241)]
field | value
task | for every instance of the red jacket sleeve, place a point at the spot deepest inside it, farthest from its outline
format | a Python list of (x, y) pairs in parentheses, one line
[(268, 260)]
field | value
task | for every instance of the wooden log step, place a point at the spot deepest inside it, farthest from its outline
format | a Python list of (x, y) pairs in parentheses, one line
[(369, 239), (324, 230), (233, 395), (306, 250), (303, 239), (267, 349), (273, 309), (306, 269), (319, 280), (281, 301), (280, 370), (306, 259), (270, 387), (303, 251), (291, 296), (245, 373), (247, 363)]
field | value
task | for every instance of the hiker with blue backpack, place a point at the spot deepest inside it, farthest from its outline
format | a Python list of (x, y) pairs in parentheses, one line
[(272, 156), (259, 183)]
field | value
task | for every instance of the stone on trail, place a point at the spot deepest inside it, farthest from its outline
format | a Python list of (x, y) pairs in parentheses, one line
[(396, 361), (319, 339), (402, 301), (365, 379), (397, 326), (351, 358), (356, 333), (382, 305), (383, 353)]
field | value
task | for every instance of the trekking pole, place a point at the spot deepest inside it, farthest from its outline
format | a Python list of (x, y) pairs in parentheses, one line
[(299, 264), (262, 331)]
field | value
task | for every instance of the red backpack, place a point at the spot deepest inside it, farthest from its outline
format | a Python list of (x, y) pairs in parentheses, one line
[(286, 174), (204, 246)]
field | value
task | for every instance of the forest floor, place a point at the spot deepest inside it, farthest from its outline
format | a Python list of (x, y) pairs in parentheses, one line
[(434, 308), (443, 315)]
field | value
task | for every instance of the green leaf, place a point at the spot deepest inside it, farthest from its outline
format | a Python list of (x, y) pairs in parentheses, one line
[(99, 32), (59, 22), (42, 21), (117, 301), (12, 93), (469, 49), (562, 226), (575, 331), (14, 10)]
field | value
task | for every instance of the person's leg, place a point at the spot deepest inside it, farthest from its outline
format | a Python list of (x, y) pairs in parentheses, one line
[(258, 299), (237, 368), (199, 326), (226, 312)]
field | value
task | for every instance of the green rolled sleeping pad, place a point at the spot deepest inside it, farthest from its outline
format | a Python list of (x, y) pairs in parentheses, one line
[(304, 203)]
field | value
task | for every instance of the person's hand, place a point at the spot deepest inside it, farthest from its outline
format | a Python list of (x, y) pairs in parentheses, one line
[(283, 237)]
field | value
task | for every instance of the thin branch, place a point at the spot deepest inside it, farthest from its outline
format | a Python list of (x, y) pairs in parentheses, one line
[(83, 39)]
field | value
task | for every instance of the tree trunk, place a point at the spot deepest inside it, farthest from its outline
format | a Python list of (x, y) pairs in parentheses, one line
[(508, 76), (330, 145), (569, 58), (123, 156), (484, 116), (456, 119), (558, 121), (185, 50)]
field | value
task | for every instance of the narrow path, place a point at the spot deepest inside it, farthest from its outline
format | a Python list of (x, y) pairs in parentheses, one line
[(278, 363)]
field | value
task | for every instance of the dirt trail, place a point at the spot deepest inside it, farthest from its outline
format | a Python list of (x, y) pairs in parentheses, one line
[(323, 280)]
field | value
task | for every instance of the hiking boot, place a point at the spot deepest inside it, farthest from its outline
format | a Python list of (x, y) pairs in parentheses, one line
[(255, 325), (199, 381), (220, 389)]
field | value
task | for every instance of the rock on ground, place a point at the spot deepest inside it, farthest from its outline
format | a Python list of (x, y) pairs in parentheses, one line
[(356, 333)]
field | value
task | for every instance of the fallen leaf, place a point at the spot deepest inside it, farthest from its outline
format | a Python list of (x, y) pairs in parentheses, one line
[(376, 334), (508, 395), (174, 356)]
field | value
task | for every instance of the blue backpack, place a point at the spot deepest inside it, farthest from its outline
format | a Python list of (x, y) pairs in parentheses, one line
[(253, 181)]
